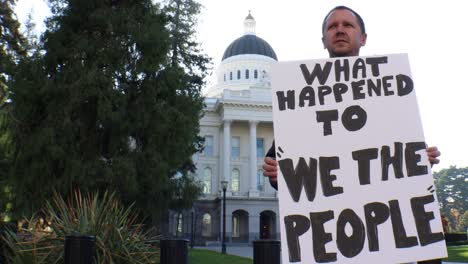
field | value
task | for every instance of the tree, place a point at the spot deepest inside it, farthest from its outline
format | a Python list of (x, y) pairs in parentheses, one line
[(452, 191), (12, 49), (182, 25), (105, 106), (185, 189), (32, 45), (11, 44), (464, 222)]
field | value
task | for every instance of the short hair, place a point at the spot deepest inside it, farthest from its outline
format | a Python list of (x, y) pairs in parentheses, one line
[(359, 18)]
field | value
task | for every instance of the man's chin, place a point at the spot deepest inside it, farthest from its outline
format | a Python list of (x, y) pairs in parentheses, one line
[(340, 53)]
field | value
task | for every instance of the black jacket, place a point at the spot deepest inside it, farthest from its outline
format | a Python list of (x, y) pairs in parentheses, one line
[(271, 154)]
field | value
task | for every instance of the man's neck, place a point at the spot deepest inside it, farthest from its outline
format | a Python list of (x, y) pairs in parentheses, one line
[(342, 55)]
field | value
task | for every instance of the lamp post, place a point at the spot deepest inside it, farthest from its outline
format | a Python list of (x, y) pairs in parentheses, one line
[(223, 247), (192, 237)]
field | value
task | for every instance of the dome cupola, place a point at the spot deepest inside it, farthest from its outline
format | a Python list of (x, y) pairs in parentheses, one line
[(249, 43), (245, 66)]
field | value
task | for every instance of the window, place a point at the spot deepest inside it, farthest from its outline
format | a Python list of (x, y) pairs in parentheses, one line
[(260, 180), (235, 226), (238, 74), (179, 224), (255, 74), (206, 225), (207, 180), (208, 149), (235, 177), (246, 74), (224, 77), (230, 76), (235, 147), (260, 148)]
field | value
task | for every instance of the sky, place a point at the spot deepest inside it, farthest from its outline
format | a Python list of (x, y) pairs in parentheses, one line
[(433, 33)]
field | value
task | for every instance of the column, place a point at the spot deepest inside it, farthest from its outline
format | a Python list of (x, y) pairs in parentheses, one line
[(253, 158), (227, 155)]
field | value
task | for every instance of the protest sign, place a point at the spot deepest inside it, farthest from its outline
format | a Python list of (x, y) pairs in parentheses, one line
[(355, 183)]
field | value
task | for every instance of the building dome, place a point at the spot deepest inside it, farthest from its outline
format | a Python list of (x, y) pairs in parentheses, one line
[(249, 44), (245, 64)]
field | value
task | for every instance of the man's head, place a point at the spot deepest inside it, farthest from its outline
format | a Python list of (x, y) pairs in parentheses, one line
[(343, 32)]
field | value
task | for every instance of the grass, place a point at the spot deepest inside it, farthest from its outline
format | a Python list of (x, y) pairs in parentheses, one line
[(457, 254), (199, 256), (202, 256)]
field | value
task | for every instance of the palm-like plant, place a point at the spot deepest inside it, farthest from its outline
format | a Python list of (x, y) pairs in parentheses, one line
[(119, 238)]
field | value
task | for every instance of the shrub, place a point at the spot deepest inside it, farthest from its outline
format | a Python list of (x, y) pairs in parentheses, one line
[(119, 239), (454, 239)]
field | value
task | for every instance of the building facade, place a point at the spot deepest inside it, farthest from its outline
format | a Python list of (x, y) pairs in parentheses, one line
[(238, 130)]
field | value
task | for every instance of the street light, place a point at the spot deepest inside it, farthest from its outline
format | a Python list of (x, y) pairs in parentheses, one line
[(224, 185), (192, 240)]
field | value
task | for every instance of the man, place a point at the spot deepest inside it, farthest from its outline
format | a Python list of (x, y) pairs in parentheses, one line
[(343, 34)]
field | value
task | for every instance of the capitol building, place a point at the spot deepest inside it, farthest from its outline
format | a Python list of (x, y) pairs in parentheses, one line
[(238, 130)]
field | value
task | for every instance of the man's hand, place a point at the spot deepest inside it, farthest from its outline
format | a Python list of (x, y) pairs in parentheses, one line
[(433, 153), (270, 170)]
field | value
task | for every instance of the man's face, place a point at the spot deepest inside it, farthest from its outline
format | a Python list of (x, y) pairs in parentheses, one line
[(342, 35)]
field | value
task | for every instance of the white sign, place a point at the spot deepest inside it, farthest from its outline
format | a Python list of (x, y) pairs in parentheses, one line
[(355, 183)]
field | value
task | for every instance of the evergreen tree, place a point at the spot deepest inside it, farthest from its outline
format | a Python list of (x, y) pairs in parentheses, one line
[(12, 49), (11, 45), (105, 106), (452, 193), (32, 45), (463, 224), (183, 21)]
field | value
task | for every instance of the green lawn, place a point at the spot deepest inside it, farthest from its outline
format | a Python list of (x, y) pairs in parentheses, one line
[(202, 256), (457, 254)]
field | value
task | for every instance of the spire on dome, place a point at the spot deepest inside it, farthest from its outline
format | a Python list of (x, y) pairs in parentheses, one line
[(249, 25)]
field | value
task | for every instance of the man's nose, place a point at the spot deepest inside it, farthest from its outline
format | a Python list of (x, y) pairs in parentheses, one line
[(340, 28)]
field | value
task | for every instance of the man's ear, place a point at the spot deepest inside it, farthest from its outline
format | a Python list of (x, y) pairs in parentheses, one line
[(323, 42), (363, 39)]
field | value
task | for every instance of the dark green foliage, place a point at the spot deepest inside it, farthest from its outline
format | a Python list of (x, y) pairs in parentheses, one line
[(185, 190), (103, 106), (12, 50), (452, 192), (12, 47), (463, 223), (182, 29), (456, 238), (11, 40)]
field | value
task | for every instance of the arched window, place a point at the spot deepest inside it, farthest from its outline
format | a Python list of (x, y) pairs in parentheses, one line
[(207, 180), (230, 76), (235, 178), (260, 180), (246, 74), (206, 225), (255, 74), (238, 74), (235, 226), (179, 224)]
